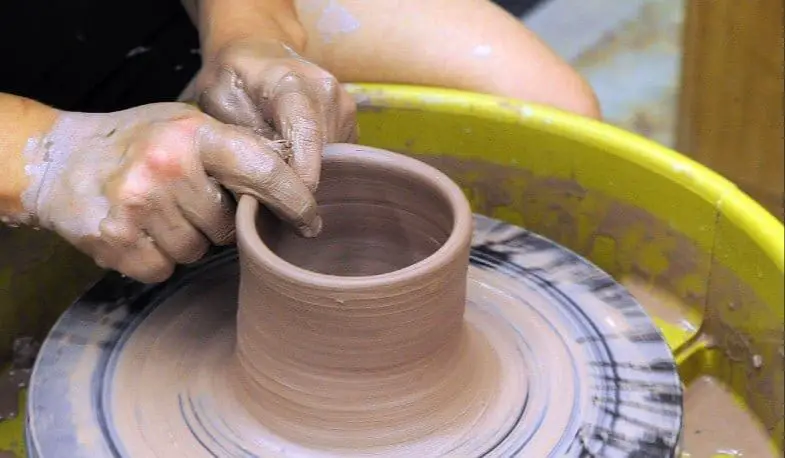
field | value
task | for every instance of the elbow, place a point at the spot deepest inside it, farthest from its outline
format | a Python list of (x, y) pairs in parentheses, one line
[(580, 99), (561, 88), (570, 93)]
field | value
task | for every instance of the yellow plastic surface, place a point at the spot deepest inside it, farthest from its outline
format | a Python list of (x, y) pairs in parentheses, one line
[(635, 208), (12, 432)]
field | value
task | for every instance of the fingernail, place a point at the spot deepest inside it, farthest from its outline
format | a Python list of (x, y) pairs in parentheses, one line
[(314, 229)]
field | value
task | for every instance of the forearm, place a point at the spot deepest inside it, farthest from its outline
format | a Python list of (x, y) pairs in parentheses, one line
[(473, 45), (21, 121), (464, 44), (223, 21)]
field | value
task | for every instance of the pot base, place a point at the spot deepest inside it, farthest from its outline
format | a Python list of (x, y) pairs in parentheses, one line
[(571, 366)]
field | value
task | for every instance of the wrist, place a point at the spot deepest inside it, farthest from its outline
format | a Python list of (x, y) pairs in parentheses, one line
[(24, 127), (223, 22), (53, 157)]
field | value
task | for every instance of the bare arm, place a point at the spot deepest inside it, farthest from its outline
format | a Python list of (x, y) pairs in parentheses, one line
[(137, 189), (464, 44), (21, 119), (222, 21)]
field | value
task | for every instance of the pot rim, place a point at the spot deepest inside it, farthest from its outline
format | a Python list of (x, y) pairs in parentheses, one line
[(458, 242)]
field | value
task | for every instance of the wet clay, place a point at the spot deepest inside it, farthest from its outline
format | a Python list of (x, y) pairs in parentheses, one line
[(557, 350), (357, 336), (716, 424), (659, 302), (352, 342), (377, 338)]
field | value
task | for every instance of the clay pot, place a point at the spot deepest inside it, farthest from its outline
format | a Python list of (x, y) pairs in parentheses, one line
[(344, 338)]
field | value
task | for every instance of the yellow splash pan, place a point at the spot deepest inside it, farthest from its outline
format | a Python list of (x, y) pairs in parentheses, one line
[(703, 258)]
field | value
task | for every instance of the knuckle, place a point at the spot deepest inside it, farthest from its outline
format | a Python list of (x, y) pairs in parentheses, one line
[(184, 127), (290, 81), (208, 98), (101, 262), (270, 173), (214, 100), (118, 234), (348, 108), (225, 235), (136, 192), (193, 249), (154, 272), (231, 58), (164, 160), (230, 79), (291, 77), (169, 150), (331, 88), (162, 272)]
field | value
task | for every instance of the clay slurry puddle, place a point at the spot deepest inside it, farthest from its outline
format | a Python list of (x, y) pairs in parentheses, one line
[(716, 424)]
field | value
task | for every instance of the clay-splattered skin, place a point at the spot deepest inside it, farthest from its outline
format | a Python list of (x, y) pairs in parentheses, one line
[(255, 76), (271, 66), (464, 44), (268, 87), (28, 118), (138, 190)]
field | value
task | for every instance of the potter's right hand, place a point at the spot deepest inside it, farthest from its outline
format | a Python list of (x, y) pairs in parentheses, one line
[(138, 190)]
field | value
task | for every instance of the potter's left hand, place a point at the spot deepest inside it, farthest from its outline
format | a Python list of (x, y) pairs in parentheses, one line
[(268, 87)]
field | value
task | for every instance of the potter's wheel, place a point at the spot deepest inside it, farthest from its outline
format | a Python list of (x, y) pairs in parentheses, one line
[(599, 380)]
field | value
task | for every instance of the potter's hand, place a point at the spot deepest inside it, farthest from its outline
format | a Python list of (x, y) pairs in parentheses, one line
[(266, 86), (138, 189)]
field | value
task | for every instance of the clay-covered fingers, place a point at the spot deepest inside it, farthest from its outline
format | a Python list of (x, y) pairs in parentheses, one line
[(126, 248), (163, 222), (299, 120), (338, 109), (265, 85), (248, 164), (225, 99), (169, 196), (146, 237), (207, 206), (308, 112)]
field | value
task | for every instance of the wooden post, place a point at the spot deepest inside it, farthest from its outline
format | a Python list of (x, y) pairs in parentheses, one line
[(731, 107)]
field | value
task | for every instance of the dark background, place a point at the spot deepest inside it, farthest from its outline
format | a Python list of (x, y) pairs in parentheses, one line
[(103, 55)]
